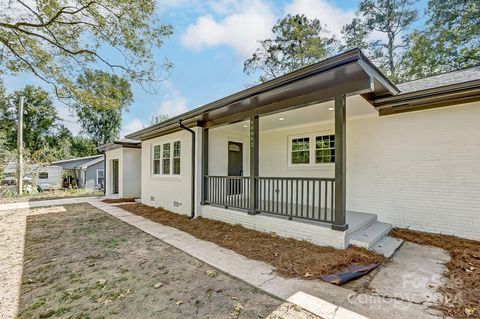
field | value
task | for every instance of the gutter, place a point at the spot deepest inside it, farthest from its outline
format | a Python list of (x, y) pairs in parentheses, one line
[(192, 214)]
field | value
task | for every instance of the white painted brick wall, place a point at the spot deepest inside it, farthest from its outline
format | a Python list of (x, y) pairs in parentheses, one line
[(319, 235), (419, 170)]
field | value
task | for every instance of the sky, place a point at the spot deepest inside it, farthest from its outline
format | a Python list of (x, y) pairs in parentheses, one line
[(211, 40)]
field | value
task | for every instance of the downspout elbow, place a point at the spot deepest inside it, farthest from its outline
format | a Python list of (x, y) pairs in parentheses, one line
[(192, 213)]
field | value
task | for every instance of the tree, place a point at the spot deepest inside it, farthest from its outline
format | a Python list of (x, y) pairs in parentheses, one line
[(297, 42), (99, 121), (59, 40), (39, 118), (449, 41), (158, 118), (389, 17), (355, 35), (82, 146)]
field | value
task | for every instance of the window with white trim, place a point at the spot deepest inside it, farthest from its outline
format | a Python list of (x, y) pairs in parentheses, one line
[(325, 149), (166, 159), (312, 149), (156, 159), (300, 150), (100, 176), (176, 157)]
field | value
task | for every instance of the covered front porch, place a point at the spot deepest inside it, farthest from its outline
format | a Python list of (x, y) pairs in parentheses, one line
[(285, 172)]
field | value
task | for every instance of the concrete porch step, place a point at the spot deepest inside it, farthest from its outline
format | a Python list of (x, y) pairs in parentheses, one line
[(368, 236), (387, 246)]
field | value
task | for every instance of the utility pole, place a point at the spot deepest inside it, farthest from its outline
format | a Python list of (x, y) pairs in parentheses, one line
[(20, 146)]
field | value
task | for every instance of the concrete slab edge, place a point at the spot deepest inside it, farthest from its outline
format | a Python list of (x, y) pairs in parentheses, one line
[(322, 308)]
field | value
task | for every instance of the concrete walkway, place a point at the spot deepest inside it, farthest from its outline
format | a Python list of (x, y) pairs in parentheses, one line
[(334, 302)]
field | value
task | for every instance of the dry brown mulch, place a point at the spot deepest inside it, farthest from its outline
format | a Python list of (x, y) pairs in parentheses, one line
[(119, 200), (290, 257), (461, 294)]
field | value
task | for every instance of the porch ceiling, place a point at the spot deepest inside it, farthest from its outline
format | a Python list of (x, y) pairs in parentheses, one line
[(312, 114), (349, 73)]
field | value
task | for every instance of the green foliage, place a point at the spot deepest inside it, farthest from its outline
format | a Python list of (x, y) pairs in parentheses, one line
[(59, 40), (45, 138), (355, 35), (392, 18), (82, 146), (102, 121), (450, 40), (297, 42)]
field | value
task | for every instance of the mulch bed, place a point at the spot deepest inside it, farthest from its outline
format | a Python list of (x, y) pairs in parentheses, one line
[(119, 200), (462, 293), (290, 257)]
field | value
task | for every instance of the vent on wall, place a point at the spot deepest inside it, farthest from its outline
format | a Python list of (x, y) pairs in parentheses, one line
[(177, 204), (152, 199)]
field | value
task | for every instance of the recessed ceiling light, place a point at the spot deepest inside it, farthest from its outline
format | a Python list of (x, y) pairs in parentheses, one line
[(281, 118), (331, 109), (245, 125)]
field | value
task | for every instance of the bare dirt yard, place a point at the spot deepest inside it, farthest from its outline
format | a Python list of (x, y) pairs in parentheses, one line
[(54, 194), (83, 263)]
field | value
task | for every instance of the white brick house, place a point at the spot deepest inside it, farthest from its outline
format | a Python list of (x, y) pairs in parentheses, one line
[(329, 153)]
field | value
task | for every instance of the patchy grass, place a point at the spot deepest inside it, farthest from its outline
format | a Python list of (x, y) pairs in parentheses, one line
[(83, 263), (54, 194), (461, 294), (119, 200), (290, 257)]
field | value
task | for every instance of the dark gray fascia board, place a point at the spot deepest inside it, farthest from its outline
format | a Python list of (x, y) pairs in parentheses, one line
[(193, 117), (430, 98)]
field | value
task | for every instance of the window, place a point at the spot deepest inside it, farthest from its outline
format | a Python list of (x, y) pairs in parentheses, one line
[(166, 159), (301, 150), (176, 157), (325, 149), (156, 159), (100, 176), (43, 175)]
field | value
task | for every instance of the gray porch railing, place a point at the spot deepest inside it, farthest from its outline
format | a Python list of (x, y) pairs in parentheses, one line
[(228, 191), (293, 197)]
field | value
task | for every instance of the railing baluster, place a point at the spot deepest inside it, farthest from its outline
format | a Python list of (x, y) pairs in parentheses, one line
[(326, 199), (308, 198), (291, 199), (313, 199), (332, 206), (296, 199), (320, 199), (301, 206)]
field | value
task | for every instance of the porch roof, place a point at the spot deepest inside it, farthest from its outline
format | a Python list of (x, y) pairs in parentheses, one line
[(347, 73)]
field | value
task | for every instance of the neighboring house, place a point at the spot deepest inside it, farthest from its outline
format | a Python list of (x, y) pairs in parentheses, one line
[(123, 166), (89, 171), (333, 153), (47, 177)]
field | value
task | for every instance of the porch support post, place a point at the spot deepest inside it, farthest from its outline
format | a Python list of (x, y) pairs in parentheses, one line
[(204, 166), (254, 159), (340, 164)]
